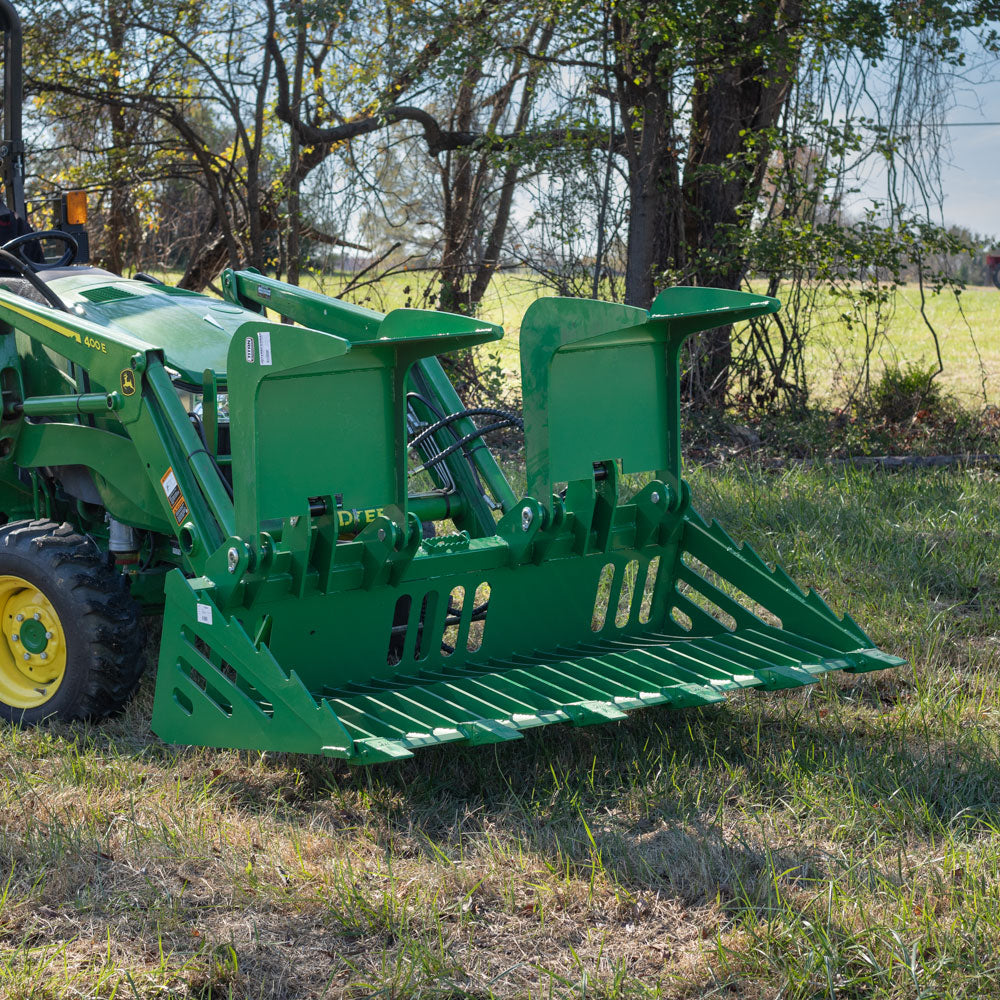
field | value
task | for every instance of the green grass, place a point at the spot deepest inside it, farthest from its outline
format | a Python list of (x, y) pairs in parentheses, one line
[(842, 841), (968, 328)]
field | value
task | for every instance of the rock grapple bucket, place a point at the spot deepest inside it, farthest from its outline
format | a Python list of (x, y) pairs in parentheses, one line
[(579, 605)]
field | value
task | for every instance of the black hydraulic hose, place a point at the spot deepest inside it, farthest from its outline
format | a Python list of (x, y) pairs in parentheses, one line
[(479, 411), (200, 431), (462, 443), (478, 614), (466, 454), (32, 278)]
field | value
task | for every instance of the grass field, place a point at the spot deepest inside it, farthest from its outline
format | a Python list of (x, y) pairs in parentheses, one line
[(968, 328), (843, 842)]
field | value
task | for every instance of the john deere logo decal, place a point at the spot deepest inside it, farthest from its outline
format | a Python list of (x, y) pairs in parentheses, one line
[(128, 382)]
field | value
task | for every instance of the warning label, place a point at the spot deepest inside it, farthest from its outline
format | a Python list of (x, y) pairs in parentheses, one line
[(175, 498)]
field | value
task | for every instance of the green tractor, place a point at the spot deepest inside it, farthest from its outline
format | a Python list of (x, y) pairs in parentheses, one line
[(341, 565)]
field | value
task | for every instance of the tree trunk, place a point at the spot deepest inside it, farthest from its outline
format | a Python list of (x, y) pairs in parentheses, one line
[(644, 98), (737, 102)]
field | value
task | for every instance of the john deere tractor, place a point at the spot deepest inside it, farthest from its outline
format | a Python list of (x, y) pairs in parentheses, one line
[(341, 565)]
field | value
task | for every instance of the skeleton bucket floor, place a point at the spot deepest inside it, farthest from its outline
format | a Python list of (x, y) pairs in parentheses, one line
[(588, 683)]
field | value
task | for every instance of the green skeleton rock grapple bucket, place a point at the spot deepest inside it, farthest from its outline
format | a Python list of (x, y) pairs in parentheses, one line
[(254, 479)]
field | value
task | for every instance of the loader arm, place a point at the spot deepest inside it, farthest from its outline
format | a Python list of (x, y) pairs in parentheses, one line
[(132, 392)]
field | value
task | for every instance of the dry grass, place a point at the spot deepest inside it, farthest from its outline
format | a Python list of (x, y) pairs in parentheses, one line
[(841, 842)]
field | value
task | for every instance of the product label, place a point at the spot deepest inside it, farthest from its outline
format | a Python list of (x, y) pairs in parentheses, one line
[(249, 350), (265, 347), (205, 614)]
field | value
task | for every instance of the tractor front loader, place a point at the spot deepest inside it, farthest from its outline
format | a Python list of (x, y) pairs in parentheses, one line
[(271, 486)]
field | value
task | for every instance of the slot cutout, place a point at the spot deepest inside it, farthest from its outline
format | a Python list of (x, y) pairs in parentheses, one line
[(648, 589), (397, 632), (477, 625), (732, 592), (624, 609), (681, 620), (603, 597), (453, 621)]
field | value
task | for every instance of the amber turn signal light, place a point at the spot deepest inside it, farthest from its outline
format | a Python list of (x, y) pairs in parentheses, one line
[(76, 208)]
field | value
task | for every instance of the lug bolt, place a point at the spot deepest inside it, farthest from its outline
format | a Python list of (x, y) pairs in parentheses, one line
[(15, 637), (526, 518), (37, 616), (27, 656), (654, 497), (19, 618), (44, 655), (48, 635), (234, 559)]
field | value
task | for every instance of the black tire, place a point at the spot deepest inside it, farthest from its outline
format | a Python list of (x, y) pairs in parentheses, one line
[(995, 276), (99, 621)]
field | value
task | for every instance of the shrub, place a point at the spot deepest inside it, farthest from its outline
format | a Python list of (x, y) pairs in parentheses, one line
[(902, 392)]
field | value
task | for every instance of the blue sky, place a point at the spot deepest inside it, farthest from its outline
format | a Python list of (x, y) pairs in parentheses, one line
[(971, 180)]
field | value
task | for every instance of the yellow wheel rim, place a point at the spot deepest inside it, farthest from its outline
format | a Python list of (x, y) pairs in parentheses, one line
[(32, 645)]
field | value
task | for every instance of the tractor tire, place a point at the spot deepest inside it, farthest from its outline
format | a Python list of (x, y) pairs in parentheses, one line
[(70, 638), (995, 276)]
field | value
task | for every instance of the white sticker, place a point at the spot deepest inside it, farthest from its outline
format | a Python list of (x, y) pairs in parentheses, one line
[(205, 614), (265, 347), (249, 350), (263, 291), (169, 482)]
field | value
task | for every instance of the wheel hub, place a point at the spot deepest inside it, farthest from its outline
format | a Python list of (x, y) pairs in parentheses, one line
[(34, 636), (33, 646)]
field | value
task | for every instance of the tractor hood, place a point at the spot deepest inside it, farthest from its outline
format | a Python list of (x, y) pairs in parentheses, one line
[(193, 330)]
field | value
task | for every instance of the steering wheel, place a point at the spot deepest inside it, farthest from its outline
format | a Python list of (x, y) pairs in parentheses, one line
[(72, 247)]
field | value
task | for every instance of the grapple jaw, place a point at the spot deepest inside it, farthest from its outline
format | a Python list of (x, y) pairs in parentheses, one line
[(581, 607)]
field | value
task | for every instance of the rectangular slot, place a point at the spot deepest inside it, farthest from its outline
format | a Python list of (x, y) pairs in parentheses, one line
[(397, 632), (453, 621), (477, 626), (603, 597)]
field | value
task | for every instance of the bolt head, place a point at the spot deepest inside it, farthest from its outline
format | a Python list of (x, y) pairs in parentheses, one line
[(48, 635), (526, 518), (232, 559), (27, 656), (19, 618), (37, 616), (654, 497), (44, 655), (381, 534)]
